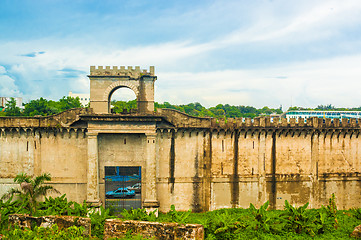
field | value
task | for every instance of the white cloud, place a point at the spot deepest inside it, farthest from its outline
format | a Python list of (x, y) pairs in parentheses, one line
[(280, 23), (8, 87), (329, 81)]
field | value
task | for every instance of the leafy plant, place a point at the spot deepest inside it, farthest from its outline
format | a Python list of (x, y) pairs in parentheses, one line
[(9, 207), (227, 224), (61, 206), (356, 213), (73, 232), (176, 216), (55, 206), (139, 214), (263, 221), (30, 190), (299, 219), (332, 209), (81, 210), (97, 221)]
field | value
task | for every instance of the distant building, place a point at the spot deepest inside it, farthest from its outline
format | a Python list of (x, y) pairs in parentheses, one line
[(322, 114), (83, 97), (4, 100)]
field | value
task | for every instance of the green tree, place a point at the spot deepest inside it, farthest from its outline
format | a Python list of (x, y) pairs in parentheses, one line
[(325, 107), (30, 190), (39, 106), (11, 108), (66, 103), (45, 107), (120, 106)]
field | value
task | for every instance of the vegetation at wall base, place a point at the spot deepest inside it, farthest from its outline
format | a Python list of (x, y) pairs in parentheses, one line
[(236, 223)]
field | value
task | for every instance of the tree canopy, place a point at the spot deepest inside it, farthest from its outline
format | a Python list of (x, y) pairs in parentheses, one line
[(41, 106), (11, 108), (196, 109), (46, 107)]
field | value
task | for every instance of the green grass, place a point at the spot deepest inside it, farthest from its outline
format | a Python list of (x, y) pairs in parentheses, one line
[(235, 223)]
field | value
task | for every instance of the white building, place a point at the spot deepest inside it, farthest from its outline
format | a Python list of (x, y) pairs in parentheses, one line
[(322, 114), (4, 100), (83, 97)]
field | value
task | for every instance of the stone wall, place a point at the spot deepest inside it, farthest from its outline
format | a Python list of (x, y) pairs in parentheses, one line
[(26, 221), (255, 166), (200, 163), (154, 230)]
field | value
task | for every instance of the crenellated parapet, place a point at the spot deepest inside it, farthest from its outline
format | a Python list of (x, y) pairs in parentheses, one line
[(182, 120), (267, 122), (122, 71), (47, 132)]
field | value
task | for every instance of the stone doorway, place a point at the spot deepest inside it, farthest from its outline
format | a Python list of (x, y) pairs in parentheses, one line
[(123, 188)]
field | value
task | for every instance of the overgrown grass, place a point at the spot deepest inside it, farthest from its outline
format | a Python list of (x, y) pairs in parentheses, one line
[(236, 223), (252, 223)]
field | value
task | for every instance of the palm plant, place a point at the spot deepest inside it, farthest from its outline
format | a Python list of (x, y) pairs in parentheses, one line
[(30, 190)]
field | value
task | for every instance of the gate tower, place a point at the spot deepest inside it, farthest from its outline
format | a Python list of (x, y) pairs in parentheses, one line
[(104, 81)]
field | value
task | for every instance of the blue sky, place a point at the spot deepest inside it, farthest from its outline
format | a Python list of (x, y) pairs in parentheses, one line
[(258, 53)]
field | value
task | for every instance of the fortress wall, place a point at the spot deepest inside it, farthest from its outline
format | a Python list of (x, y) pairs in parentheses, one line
[(181, 169), (16, 155), (16, 152), (63, 154), (198, 166), (339, 169), (253, 166)]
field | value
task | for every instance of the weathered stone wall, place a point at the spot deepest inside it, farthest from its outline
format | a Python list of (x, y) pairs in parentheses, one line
[(60, 152), (45, 145), (26, 221), (240, 162), (154, 230), (200, 163)]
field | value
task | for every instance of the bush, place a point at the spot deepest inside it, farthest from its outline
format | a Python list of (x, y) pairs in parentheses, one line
[(16, 233)]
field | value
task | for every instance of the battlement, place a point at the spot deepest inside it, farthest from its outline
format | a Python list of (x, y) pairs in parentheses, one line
[(121, 71), (277, 122), (182, 120)]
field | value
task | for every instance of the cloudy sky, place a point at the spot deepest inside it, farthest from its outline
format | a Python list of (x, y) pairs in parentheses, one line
[(257, 53)]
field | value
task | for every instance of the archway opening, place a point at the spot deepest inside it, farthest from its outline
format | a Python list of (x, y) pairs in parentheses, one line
[(122, 100)]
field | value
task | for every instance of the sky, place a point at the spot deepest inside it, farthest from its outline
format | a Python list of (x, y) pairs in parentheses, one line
[(255, 53)]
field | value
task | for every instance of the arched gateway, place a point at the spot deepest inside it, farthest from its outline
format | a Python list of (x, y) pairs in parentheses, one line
[(118, 142), (104, 81), (189, 162)]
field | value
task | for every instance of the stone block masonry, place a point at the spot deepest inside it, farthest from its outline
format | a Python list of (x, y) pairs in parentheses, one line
[(26, 221), (153, 230), (194, 163)]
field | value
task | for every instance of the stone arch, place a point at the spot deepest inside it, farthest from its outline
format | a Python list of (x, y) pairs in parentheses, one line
[(104, 81), (114, 86)]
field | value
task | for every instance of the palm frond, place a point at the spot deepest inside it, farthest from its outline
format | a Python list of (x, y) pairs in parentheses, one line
[(41, 179), (10, 193), (22, 177)]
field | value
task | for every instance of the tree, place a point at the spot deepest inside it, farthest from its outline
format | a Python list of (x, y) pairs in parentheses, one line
[(11, 108), (30, 190), (39, 107), (66, 103), (120, 106), (325, 107), (45, 107)]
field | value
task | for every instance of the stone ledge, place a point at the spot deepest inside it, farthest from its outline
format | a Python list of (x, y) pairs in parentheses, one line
[(27, 221), (119, 228)]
